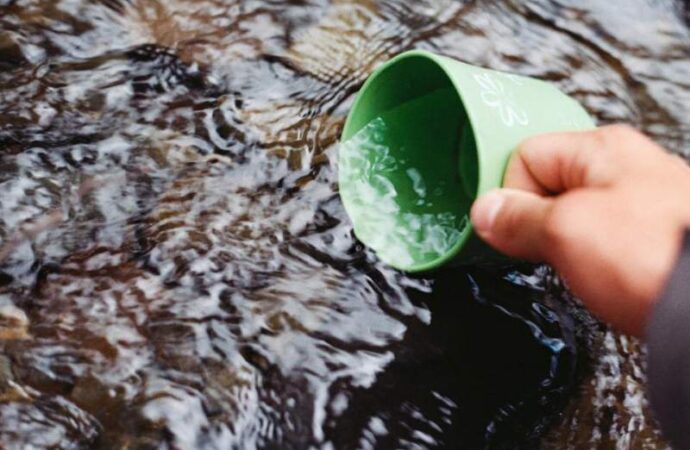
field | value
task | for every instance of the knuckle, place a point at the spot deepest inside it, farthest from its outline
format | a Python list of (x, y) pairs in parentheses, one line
[(615, 135), (601, 138)]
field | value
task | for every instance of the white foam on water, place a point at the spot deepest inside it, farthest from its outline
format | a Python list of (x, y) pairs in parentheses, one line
[(417, 182), (397, 236)]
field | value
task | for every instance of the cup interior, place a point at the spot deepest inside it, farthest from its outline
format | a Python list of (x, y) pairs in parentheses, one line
[(421, 151)]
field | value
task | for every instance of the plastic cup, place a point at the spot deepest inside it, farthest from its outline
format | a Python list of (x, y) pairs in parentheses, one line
[(452, 125)]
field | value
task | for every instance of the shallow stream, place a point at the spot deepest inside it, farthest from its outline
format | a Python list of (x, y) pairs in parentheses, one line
[(176, 268)]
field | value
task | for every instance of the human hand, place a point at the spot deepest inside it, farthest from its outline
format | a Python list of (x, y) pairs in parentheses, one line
[(606, 208)]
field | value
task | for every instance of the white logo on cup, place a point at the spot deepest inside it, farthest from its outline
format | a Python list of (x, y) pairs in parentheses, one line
[(495, 95)]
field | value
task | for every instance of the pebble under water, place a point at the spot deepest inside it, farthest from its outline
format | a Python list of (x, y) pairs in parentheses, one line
[(177, 270)]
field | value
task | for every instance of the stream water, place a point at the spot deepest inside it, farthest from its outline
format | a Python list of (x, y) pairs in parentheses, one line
[(176, 268)]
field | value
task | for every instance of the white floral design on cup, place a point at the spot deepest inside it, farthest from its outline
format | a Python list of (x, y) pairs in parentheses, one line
[(495, 95), (517, 80)]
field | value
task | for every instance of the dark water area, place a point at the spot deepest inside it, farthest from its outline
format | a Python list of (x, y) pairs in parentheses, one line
[(176, 268)]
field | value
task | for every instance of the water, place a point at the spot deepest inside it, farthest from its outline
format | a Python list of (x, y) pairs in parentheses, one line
[(176, 268), (387, 194)]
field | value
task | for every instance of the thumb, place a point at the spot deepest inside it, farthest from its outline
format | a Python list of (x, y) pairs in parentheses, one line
[(512, 221)]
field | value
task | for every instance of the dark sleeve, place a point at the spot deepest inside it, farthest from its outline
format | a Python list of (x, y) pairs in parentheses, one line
[(668, 338)]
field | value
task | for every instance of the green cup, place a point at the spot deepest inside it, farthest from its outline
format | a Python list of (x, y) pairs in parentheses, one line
[(426, 136)]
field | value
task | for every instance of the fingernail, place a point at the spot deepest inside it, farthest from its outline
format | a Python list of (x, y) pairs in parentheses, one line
[(485, 211)]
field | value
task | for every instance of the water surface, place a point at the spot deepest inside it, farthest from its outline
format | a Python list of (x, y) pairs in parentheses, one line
[(176, 268)]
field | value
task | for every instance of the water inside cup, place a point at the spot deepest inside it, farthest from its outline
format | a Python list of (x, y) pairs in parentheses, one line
[(402, 186)]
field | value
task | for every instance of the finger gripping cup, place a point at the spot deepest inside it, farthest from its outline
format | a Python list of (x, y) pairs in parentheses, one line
[(425, 137)]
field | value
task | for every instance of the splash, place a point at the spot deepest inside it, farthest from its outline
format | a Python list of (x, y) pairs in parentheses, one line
[(397, 235)]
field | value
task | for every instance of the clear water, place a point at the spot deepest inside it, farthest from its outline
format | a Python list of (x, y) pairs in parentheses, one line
[(399, 232), (399, 181), (176, 268)]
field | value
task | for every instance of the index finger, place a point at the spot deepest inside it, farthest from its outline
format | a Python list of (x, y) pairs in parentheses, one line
[(557, 162)]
